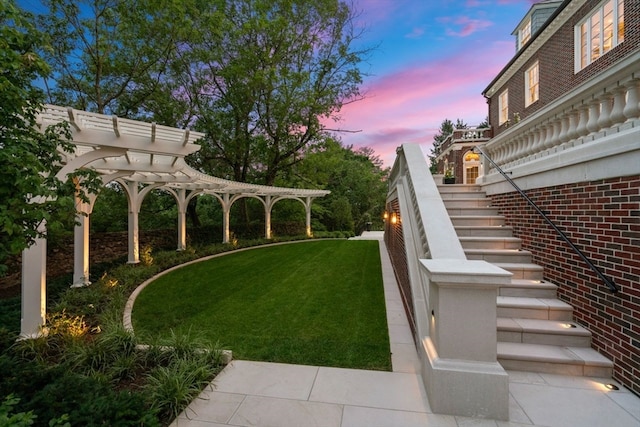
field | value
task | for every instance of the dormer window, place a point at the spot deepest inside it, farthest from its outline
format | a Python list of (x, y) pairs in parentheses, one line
[(524, 35)]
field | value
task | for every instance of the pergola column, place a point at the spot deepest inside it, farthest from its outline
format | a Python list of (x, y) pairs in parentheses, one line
[(181, 198), (81, 247), (226, 208), (307, 207), (267, 217), (34, 287)]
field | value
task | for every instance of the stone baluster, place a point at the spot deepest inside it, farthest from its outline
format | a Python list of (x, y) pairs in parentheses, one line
[(583, 112), (564, 128), (530, 139), (541, 133), (594, 114), (554, 133), (606, 105), (619, 101), (572, 131), (631, 109)]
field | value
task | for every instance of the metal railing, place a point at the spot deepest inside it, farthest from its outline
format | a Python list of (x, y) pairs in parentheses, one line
[(607, 281)]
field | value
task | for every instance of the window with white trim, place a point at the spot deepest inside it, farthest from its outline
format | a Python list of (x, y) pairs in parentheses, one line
[(503, 107), (531, 80), (599, 32), (525, 34)]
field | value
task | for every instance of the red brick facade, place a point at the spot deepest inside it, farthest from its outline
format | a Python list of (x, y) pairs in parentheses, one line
[(601, 218), (556, 65)]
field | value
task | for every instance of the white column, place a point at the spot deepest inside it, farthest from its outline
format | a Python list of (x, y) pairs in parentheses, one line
[(267, 217), (34, 288), (133, 237), (307, 207), (182, 219), (225, 218), (81, 248)]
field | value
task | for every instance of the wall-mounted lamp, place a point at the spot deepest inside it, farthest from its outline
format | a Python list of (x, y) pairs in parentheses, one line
[(394, 218), (386, 215)]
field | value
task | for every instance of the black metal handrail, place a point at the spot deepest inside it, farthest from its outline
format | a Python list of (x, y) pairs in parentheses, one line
[(608, 281)]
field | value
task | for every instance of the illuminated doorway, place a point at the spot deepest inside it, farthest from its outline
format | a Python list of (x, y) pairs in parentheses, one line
[(471, 167)]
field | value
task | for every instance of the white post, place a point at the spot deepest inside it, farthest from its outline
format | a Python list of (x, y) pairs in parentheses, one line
[(307, 207), (182, 219), (267, 217), (34, 288), (462, 374), (225, 218), (81, 248)]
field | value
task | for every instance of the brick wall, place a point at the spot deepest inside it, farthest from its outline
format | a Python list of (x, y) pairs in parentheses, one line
[(394, 240), (556, 62), (602, 218)]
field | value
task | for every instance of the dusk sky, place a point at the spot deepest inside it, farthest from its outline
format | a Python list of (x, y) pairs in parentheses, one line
[(435, 57)]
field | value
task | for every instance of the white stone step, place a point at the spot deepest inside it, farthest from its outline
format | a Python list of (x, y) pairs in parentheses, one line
[(534, 308), (474, 202), (459, 191), (529, 289), (484, 231), (475, 242), (472, 211), (522, 271), (580, 361), (547, 332), (516, 256), (477, 220)]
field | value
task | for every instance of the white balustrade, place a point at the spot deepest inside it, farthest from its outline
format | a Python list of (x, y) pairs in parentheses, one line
[(594, 110)]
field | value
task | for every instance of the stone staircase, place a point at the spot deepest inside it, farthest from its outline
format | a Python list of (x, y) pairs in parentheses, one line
[(536, 331)]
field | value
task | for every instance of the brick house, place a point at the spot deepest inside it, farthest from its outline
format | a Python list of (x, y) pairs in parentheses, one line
[(565, 118)]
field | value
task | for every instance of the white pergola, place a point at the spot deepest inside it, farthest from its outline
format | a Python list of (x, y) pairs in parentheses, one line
[(141, 157)]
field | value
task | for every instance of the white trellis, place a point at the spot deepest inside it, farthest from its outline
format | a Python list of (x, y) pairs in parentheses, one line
[(141, 157)]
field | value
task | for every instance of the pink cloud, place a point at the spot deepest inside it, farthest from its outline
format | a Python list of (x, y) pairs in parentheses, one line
[(415, 33), (409, 105), (467, 26)]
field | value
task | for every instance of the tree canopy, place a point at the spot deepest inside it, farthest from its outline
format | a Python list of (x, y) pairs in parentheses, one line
[(31, 193)]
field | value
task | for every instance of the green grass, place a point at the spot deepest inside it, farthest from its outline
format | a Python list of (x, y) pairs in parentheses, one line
[(314, 303)]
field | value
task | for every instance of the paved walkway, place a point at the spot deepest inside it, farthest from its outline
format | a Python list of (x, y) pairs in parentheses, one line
[(249, 393)]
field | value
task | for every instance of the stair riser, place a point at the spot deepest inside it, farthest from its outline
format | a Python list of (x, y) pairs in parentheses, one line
[(478, 221), (467, 203), (491, 244), (546, 339), (527, 292), (472, 211), (535, 313), (514, 258), (524, 273), (555, 368), (484, 232)]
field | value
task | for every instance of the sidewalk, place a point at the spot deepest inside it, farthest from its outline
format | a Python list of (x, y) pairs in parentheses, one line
[(249, 393)]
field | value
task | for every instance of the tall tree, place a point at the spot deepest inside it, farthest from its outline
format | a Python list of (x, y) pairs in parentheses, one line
[(29, 190), (357, 181), (266, 72), (112, 56)]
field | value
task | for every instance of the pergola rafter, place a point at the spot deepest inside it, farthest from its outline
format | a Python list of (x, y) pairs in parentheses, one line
[(141, 157)]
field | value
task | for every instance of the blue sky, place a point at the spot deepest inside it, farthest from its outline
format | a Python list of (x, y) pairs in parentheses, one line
[(432, 62), (434, 59)]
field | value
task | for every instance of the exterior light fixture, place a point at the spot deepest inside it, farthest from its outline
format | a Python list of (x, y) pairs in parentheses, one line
[(394, 218), (611, 386), (568, 325), (386, 215)]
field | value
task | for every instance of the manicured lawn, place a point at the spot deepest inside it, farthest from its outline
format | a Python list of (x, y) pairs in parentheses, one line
[(315, 303)]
